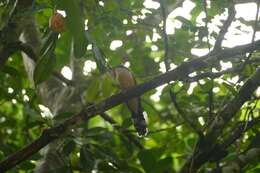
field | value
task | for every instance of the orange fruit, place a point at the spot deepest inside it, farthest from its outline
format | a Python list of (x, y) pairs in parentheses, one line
[(57, 23)]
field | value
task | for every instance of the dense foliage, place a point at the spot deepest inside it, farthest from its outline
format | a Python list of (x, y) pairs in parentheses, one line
[(100, 35)]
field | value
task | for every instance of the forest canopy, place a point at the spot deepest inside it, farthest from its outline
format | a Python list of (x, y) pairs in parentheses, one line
[(129, 86)]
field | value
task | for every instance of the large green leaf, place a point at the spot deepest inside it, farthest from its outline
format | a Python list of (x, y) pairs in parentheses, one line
[(44, 67), (76, 23), (86, 159), (149, 159)]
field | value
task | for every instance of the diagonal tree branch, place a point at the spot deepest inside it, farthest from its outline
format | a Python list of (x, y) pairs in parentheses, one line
[(180, 73), (213, 75)]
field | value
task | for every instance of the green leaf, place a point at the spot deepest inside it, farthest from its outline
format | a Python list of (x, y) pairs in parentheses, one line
[(95, 131), (15, 77), (93, 90), (69, 147), (187, 24), (86, 159), (80, 46), (207, 86), (44, 68), (64, 169), (165, 165), (26, 165), (75, 24), (257, 170), (63, 116), (104, 153), (48, 42), (127, 122), (107, 87), (217, 7), (63, 50), (248, 70), (255, 142), (107, 167), (230, 88), (99, 59), (149, 158)]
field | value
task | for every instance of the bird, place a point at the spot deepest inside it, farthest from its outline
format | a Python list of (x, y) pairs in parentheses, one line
[(126, 81)]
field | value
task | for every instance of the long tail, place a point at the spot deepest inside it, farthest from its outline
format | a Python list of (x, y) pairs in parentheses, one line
[(136, 110), (139, 123)]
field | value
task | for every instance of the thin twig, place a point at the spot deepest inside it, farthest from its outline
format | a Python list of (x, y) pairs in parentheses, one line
[(165, 38), (165, 129), (212, 75), (224, 29)]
